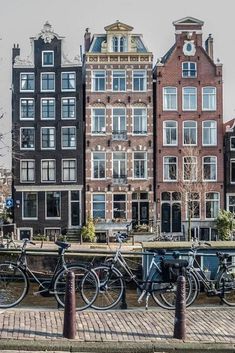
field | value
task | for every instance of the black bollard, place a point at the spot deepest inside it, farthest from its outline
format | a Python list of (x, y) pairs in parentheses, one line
[(180, 310), (69, 330)]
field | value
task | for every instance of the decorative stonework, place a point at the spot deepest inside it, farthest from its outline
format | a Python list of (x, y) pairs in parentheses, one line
[(47, 33)]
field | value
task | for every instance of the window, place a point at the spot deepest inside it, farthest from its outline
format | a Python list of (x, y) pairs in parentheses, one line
[(232, 171), (48, 170), (98, 81), (53, 204), (190, 168), (231, 203), (48, 138), (209, 133), (119, 120), (48, 81), (189, 69), (68, 81), (99, 206), (27, 138), (98, 121), (27, 110), (212, 205), (68, 137), (193, 210), (169, 98), (119, 165), (209, 168), (119, 80), (30, 205), (48, 108), (189, 133), (139, 80), (170, 168), (27, 82), (47, 58), (119, 44), (170, 133), (140, 165), (140, 121), (119, 206), (232, 143), (69, 170), (27, 171), (98, 165), (68, 110), (189, 98), (209, 98)]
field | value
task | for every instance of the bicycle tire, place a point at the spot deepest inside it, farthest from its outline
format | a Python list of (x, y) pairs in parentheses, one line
[(86, 286), (14, 285), (226, 284), (110, 289), (164, 294)]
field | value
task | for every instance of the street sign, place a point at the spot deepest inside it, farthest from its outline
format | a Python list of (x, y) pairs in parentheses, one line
[(9, 202)]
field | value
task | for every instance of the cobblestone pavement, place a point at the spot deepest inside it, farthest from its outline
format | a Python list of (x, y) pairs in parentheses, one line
[(203, 325)]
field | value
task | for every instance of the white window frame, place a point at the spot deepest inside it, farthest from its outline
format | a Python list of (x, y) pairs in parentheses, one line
[(119, 117), (145, 165), (27, 73), (53, 56), (203, 123), (231, 137), (194, 168), (103, 131), (200, 207), (24, 228), (170, 180), (41, 103), (94, 78), (139, 78), (183, 99), (46, 192), (119, 90), (92, 169), (48, 148), (75, 169), (53, 228), (144, 117), (119, 165), (27, 119), (47, 73), (189, 70), (215, 98), (68, 89), (113, 209), (228, 195), (27, 148), (183, 130), (209, 200), (27, 181), (171, 128), (98, 193), (163, 98), (68, 98), (48, 160), (216, 167), (232, 160), (68, 148), (29, 218)]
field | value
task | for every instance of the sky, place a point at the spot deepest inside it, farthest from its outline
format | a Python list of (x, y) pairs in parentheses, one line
[(22, 19)]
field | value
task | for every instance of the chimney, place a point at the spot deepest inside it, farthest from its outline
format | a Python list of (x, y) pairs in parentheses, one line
[(87, 40), (209, 46), (15, 52)]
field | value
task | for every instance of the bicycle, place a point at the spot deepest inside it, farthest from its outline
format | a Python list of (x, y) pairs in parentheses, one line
[(15, 279), (161, 278), (223, 284), (9, 243)]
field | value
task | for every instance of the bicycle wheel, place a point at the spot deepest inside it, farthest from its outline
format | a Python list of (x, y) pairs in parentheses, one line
[(226, 285), (86, 286), (14, 285), (164, 294), (110, 289)]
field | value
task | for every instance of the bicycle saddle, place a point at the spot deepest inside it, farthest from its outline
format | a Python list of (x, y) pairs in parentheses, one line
[(222, 255), (62, 244)]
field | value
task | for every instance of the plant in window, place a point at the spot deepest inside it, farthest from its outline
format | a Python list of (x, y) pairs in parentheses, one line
[(88, 230), (225, 224)]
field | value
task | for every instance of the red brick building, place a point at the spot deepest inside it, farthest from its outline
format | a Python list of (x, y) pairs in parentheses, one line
[(189, 139), (119, 129)]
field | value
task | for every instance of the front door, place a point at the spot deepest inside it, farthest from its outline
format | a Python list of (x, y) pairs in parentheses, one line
[(140, 208), (74, 209)]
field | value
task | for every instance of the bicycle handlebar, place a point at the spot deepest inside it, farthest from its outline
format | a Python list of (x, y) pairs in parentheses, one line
[(27, 241)]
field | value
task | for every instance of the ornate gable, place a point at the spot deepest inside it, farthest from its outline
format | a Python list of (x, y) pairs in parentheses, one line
[(188, 21), (118, 27)]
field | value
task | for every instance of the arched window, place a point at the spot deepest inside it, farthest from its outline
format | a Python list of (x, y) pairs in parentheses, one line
[(115, 44), (122, 44)]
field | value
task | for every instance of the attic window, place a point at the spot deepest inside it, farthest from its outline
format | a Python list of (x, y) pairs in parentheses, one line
[(119, 44)]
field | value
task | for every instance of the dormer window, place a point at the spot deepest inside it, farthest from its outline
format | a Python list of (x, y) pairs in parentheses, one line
[(189, 69), (47, 58), (119, 44)]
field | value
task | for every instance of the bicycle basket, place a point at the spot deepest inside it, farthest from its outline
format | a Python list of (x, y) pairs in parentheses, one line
[(171, 269)]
